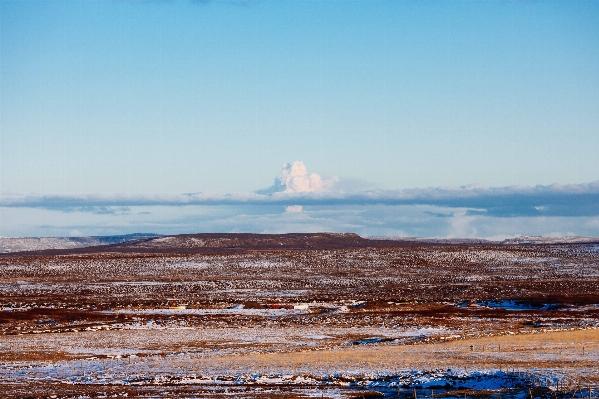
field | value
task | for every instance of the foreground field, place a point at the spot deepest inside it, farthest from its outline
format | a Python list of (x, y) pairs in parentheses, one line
[(213, 320)]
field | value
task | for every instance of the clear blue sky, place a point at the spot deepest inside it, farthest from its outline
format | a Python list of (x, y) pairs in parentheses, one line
[(106, 97)]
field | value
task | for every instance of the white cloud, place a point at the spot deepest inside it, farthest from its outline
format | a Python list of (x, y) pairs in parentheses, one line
[(294, 208), (371, 220), (295, 186), (294, 178), (460, 226)]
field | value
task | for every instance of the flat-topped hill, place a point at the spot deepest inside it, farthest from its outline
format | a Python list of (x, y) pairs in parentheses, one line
[(244, 242), (226, 242)]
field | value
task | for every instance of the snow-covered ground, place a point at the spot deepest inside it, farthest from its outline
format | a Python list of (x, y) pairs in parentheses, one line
[(324, 321), (18, 244)]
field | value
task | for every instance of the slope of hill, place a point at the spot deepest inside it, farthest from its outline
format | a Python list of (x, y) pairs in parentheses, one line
[(243, 242), (208, 242), (22, 244), (187, 243)]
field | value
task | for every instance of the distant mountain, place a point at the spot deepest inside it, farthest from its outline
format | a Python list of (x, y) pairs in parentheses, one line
[(551, 240), (246, 241), (204, 243), (242, 242), (510, 241), (433, 240), (22, 244)]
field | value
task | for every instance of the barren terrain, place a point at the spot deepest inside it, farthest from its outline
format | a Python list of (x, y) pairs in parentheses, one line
[(323, 315)]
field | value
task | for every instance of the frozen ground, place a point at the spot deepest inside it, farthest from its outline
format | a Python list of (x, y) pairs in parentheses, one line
[(476, 319), (560, 361)]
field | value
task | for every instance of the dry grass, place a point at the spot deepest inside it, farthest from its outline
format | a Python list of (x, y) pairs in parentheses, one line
[(64, 316), (567, 351)]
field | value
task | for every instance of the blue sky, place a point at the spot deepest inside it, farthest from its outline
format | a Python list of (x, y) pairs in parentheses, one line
[(111, 110)]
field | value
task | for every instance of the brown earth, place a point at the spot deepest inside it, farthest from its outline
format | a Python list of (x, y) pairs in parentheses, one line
[(232, 297)]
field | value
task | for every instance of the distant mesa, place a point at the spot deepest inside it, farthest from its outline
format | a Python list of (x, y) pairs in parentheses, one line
[(186, 243), (243, 242), (227, 242)]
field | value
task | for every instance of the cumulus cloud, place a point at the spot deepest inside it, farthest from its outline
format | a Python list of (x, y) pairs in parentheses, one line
[(294, 208), (294, 178)]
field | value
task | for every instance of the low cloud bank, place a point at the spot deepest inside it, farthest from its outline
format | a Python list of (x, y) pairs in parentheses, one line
[(553, 200), (295, 187)]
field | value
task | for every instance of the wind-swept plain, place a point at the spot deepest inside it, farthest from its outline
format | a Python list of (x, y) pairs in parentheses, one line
[(300, 315)]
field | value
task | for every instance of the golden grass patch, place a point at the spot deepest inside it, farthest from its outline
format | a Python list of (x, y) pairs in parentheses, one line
[(563, 350)]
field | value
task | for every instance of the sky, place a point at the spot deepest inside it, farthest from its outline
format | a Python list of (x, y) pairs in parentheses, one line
[(411, 118)]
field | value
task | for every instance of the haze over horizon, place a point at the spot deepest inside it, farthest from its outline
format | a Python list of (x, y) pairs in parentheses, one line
[(462, 119)]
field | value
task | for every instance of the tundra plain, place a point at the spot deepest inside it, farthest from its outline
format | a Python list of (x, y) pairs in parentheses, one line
[(303, 315)]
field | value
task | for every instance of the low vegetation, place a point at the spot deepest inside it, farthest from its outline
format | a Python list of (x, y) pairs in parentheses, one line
[(314, 316)]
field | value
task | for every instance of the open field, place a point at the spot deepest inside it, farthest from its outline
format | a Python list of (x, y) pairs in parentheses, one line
[(306, 316)]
